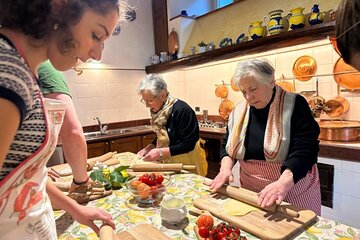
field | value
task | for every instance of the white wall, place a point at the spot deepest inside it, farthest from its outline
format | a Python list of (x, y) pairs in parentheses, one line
[(111, 94)]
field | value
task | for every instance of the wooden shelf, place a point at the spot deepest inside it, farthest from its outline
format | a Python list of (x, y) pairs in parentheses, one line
[(286, 39)]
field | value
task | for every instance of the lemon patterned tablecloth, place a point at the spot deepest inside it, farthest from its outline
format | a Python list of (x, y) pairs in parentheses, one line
[(189, 186)]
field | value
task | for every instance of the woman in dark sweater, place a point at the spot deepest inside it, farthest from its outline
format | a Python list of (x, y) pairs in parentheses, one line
[(275, 138), (175, 125)]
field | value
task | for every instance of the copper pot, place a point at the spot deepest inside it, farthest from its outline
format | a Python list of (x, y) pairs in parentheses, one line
[(339, 130), (337, 106)]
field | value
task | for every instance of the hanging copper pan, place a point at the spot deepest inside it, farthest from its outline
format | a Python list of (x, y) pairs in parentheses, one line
[(221, 91), (346, 76), (304, 68), (225, 108), (287, 86)]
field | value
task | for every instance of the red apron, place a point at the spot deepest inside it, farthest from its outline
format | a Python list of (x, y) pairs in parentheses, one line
[(25, 208), (256, 174)]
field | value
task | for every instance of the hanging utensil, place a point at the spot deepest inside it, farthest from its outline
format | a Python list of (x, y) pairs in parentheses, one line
[(225, 108), (345, 75), (337, 106)]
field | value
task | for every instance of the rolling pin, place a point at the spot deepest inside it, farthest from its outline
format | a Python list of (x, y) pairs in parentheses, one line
[(109, 162), (251, 198), (102, 158), (177, 167), (106, 232)]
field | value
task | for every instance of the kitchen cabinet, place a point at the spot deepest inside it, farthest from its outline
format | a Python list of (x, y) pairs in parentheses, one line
[(286, 39), (121, 144), (97, 148), (147, 139), (128, 144)]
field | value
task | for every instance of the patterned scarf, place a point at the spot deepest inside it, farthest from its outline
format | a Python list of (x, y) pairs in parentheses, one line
[(277, 132), (158, 122)]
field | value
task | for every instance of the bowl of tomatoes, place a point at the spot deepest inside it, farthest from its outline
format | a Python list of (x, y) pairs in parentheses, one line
[(147, 189)]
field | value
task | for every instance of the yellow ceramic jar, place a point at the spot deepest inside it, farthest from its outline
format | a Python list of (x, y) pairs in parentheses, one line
[(275, 23), (296, 18), (257, 30)]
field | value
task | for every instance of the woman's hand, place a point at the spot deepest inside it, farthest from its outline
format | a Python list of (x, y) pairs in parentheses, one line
[(152, 155), (53, 174), (86, 216), (225, 174), (276, 192), (145, 150)]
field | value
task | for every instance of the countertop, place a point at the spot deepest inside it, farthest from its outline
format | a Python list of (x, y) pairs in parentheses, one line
[(331, 149), (188, 186)]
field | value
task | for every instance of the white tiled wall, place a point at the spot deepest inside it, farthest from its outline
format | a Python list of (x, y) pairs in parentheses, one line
[(346, 198)]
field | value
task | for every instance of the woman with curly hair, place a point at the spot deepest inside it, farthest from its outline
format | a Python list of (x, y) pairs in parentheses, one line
[(347, 31), (65, 32)]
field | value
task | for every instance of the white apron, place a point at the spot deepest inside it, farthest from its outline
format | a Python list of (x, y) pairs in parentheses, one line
[(25, 208)]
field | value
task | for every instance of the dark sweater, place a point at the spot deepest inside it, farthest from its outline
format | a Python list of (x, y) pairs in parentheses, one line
[(304, 143), (183, 128)]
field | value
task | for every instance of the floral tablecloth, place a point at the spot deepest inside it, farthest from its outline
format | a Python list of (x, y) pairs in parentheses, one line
[(189, 186)]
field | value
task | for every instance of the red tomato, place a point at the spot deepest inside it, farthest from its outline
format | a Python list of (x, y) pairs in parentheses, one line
[(159, 179), (220, 235), (205, 220), (204, 232)]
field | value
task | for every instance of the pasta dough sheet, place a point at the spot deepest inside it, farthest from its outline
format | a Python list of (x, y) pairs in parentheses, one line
[(237, 208)]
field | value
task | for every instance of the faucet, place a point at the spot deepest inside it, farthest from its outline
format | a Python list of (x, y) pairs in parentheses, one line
[(101, 127)]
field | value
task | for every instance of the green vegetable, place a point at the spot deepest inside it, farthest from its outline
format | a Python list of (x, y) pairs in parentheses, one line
[(111, 180)]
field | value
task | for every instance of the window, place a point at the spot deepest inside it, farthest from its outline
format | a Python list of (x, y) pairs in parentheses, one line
[(223, 3)]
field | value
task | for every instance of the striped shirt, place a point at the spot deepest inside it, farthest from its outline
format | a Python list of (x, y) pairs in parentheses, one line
[(17, 84)]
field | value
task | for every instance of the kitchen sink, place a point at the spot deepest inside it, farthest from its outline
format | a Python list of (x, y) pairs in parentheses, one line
[(94, 134), (119, 131), (115, 131)]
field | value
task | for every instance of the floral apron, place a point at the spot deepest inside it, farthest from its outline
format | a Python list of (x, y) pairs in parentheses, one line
[(25, 208)]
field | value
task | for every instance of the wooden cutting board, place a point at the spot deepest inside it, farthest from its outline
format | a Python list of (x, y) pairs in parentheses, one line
[(142, 232), (262, 224)]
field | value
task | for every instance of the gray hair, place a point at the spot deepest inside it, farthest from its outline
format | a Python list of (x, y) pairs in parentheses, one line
[(259, 69), (154, 83)]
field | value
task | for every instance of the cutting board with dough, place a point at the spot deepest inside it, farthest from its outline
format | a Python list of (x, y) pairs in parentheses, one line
[(142, 232), (260, 223)]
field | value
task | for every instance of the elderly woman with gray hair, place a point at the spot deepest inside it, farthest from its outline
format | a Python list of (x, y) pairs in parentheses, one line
[(275, 139), (175, 125)]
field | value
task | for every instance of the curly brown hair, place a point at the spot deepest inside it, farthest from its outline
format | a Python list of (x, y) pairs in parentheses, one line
[(39, 18), (347, 29)]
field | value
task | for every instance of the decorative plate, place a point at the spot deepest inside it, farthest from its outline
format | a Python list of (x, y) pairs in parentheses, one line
[(117, 30), (225, 42), (304, 68), (241, 38)]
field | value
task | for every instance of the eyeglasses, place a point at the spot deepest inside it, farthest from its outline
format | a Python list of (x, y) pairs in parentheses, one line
[(348, 30), (148, 101)]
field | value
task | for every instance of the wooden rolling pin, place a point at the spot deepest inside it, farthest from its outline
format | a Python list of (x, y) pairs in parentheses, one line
[(106, 233), (177, 167), (102, 158), (109, 162), (251, 198)]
